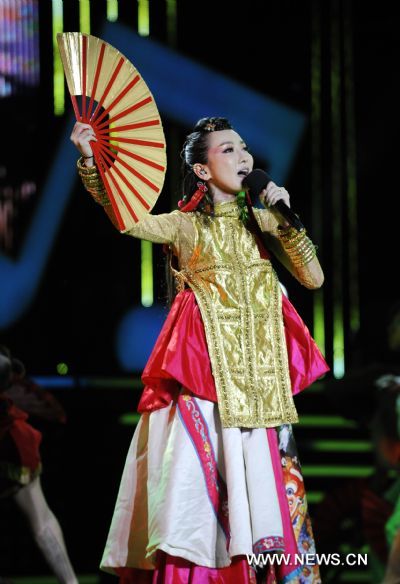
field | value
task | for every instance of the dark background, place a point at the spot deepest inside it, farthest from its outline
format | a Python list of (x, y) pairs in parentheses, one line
[(93, 273)]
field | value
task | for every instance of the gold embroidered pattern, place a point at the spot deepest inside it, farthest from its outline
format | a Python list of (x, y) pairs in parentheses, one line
[(244, 292), (244, 328), (229, 209), (239, 297)]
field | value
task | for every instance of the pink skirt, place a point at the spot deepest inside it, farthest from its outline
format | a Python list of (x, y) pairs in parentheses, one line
[(199, 502), (180, 355), (197, 499)]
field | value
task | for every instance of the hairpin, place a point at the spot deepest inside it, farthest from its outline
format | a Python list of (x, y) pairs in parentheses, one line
[(210, 127)]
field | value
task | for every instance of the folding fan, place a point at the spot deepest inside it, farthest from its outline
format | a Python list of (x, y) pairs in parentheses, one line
[(108, 93)]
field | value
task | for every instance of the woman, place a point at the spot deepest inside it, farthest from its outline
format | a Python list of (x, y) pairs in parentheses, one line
[(204, 482)]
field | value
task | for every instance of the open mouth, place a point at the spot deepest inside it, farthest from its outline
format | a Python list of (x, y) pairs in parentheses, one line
[(243, 172)]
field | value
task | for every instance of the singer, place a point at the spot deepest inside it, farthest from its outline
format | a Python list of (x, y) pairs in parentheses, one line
[(212, 475)]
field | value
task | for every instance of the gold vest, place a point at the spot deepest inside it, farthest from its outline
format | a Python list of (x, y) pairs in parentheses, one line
[(239, 297)]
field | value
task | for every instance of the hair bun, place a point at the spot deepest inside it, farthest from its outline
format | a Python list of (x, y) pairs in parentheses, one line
[(212, 124)]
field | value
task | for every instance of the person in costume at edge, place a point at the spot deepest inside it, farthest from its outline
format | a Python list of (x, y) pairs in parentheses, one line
[(212, 473), (386, 440), (20, 468), (38, 403)]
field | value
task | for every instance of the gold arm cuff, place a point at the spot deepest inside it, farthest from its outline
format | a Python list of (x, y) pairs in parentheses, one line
[(297, 245), (86, 170), (93, 183)]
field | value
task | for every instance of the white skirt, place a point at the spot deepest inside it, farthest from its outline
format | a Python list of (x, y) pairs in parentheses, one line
[(182, 471)]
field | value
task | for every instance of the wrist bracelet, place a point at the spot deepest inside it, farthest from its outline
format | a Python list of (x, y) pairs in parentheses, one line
[(86, 157), (93, 183), (83, 169), (298, 246)]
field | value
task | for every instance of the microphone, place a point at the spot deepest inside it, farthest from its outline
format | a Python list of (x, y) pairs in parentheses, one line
[(255, 182)]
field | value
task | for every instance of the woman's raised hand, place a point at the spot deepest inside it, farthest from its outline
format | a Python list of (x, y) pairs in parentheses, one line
[(82, 135), (272, 194)]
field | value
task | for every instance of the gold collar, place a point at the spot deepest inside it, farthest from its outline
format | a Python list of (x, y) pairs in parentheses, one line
[(227, 209)]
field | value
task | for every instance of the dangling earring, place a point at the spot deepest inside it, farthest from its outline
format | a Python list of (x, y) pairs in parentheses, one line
[(196, 197), (201, 185)]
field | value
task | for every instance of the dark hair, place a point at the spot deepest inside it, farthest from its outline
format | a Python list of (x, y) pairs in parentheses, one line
[(5, 351), (195, 149), (5, 372), (18, 368), (386, 421)]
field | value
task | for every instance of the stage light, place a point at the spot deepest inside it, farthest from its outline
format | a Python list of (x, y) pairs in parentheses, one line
[(84, 16), (112, 10), (58, 73), (143, 18), (62, 368), (130, 419), (147, 273)]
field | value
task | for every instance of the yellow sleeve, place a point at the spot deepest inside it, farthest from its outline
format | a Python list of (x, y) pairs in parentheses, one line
[(163, 228), (310, 275), (266, 220)]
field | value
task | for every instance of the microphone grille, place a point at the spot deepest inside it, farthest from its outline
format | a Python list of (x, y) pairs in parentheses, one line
[(256, 181)]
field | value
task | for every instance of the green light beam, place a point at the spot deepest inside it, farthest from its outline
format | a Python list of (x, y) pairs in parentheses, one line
[(58, 72)]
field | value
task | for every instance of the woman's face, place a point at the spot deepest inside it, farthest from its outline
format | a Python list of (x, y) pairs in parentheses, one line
[(228, 162)]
